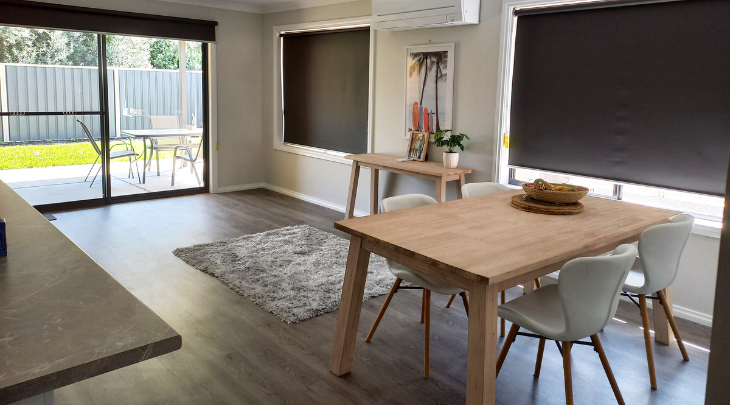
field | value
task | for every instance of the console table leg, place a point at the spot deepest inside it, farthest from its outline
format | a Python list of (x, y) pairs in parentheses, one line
[(374, 177), (354, 176), (459, 185)]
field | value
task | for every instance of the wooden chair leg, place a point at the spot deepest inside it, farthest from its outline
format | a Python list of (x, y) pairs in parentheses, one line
[(465, 300), (538, 362), (673, 324), (383, 308), (502, 323), (427, 348), (607, 368), (423, 304), (507, 344), (537, 283), (448, 304), (647, 340), (568, 375)]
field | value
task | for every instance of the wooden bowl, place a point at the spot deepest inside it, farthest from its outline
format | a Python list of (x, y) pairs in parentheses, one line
[(555, 197)]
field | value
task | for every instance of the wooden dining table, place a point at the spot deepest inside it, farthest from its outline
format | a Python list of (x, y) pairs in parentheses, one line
[(483, 245)]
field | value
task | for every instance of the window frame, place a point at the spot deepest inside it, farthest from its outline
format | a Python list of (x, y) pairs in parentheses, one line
[(278, 119), (503, 172)]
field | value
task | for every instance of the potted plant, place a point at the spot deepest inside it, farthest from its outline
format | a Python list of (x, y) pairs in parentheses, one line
[(451, 158)]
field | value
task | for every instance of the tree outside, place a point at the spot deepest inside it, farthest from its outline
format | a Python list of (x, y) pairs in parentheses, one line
[(67, 48)]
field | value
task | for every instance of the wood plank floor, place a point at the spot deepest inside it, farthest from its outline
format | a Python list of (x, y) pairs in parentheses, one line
[(236, 353)]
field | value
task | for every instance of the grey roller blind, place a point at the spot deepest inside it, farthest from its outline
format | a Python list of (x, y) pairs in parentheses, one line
[(55, 16), (325, 77), (632, 93)]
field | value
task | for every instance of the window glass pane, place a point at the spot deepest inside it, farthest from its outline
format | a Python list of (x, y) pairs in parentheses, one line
[(55, 170), (157, 107), (705, 207), (47, 71), (597, 187)]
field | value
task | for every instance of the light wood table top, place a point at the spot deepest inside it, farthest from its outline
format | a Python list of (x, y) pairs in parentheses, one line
[(485, 246), (486, 240), (430, 169), (63, 318)]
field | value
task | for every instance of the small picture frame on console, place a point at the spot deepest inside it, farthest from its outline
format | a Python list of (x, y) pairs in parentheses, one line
[(417, 145)]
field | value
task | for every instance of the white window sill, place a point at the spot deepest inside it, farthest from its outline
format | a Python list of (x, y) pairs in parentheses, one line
[(711, 229), (332, 156)]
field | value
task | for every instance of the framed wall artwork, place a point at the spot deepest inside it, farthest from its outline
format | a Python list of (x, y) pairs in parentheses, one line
[(429, 88)]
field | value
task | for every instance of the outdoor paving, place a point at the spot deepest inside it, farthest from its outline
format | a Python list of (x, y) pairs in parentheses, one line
[(48, 185)]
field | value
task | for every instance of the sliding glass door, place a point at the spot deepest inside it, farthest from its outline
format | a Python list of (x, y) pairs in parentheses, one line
[(72, 131), (158, 112), (50, 114)]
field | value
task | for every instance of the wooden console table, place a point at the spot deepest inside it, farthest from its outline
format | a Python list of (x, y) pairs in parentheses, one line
[(378, 161)]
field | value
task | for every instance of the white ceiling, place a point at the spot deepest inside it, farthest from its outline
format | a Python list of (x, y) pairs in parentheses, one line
[(259, 6)]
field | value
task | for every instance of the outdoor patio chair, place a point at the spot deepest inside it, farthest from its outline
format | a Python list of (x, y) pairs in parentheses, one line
[(187, 158), (127, 153)]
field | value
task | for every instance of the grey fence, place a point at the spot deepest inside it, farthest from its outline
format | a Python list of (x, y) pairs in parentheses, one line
[(134, 95)]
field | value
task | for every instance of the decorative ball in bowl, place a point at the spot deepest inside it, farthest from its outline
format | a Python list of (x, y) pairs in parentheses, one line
[(543, 191)]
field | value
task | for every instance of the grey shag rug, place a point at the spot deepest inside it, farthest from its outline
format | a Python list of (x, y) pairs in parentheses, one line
[(296, 272)]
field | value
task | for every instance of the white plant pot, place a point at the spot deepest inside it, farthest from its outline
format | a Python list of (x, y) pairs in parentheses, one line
[(451, 160)]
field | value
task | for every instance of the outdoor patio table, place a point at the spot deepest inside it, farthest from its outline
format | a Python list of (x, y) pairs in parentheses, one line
[(483, 245), (158, 133)]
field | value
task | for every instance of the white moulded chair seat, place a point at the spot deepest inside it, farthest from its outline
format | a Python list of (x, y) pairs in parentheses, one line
[(660, 248), (579, 306), (477, 189), (403, 273)]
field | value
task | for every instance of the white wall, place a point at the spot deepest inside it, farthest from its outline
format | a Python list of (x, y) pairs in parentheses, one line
[(238, 71), (475, 96)]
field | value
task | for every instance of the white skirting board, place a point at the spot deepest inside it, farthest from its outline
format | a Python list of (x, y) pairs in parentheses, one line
[(280, 190), (313, 200), (41, 399), (231, 189), (680, 312)]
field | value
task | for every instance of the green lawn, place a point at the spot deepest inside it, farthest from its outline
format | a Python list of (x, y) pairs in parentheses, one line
[(56, 154)]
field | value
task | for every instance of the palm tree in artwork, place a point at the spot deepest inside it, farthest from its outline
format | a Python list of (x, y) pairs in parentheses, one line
[(440, 62), (421, 61)]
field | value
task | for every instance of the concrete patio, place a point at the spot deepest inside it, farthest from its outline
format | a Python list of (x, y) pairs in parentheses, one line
[(49, 185)]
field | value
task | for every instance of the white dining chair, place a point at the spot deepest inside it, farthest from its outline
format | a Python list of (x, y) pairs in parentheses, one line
[(660, 248), (403, 273), (579, 306), (475, 190)]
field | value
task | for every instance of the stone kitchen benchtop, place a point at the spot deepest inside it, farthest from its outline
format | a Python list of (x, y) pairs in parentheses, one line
[(63, 318)]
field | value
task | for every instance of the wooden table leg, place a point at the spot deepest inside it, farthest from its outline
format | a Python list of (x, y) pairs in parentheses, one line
[(528, 287), (440, 190), (459, 185), (374, 177), (662, 330), (348, 318), (352, 192), (482, 356)]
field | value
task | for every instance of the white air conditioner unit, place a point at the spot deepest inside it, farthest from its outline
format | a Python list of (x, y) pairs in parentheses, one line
[(413, 14)]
